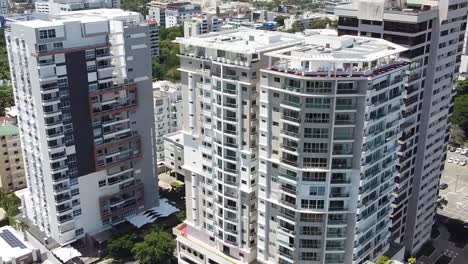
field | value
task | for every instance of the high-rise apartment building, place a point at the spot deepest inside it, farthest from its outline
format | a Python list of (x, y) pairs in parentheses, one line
[(220, 72), (4, 7), (11, 159), (202, 24), (154, 37), (290, 146), (330, 114), (58, 6), (433, 32), (82, 85), (167, 113)]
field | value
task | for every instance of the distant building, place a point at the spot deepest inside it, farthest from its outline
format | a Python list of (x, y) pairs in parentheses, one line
[(57, 6), (171, 14), (167, 113), (12, 176), (4, 7), (201, 25), (174, 154), (154, 37), (14, 249), (306, 20)]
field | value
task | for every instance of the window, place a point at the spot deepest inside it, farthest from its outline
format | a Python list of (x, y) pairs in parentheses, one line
[(319, 118), (58, 45), (79, 231), (276, 79), (102, 183), (317, 190), (311, 218), (316, 147), (75, 192), (42, 34), (77, 212), (318, 102), (314, 176), (315, 132), (51, 33), (309, 243), (315, 162)]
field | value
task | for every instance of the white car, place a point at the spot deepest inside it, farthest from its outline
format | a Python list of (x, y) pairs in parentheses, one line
[(464, 151), (456, 161), (458, 150), (462, 163), (450, 160)]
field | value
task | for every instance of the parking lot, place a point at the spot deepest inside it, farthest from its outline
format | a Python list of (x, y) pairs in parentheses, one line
[(456, 194)]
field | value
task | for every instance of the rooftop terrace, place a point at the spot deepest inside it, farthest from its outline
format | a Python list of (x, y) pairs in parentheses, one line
[(320, 55), (241, 40)]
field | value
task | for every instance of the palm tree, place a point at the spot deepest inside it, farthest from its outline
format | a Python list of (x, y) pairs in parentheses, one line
[(22, 226)]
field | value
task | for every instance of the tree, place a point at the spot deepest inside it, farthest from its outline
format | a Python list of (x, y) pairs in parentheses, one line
[(412, 260), (383, 260), (157, 69), (10, 203), (181, 215), (280, 20), (321, 23), (121, 247), (441, 202), (6, 98), (457, 135), (157, 247), (460, 112)]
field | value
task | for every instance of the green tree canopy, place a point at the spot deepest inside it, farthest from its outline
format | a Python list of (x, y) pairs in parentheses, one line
[(459, 117), (383, 260), (167, 66), (280, 20), (121, 247), (157, 247)]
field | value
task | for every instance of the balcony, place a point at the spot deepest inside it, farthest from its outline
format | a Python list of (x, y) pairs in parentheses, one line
[(293, 104), (292, 88), (107, 109), (231, 77), (291, 118)]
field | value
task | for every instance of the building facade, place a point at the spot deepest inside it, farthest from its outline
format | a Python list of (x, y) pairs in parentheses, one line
[(221, 143), (330, 112), (277, 168), (12, 176), (172, 14), (174, 154), (434, 33), (154, 37), (56, 6), (167, 113), (201, 25), (4, 7), (84, 102)]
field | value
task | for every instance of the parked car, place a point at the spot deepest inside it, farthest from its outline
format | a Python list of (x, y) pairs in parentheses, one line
[(443, 186), (458, 150), (456, 161), (450, 160), (464, 151), (462, 163), (452, 149)]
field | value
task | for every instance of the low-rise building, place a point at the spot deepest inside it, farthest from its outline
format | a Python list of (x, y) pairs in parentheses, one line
[(174, 154), (171, 14), (306, 21), (12, 176), (58, 6), (14, 249), (202, 24), (167, 113)]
